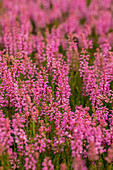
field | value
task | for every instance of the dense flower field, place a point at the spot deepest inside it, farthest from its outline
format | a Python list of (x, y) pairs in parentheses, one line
[(56, 84)]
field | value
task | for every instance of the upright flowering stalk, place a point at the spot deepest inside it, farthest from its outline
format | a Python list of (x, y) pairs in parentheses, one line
[(103, 64), (47, 164), (40, 48), (89, 78), (72, 53), (30, 161), (59, 71), (18, 40), (97, 78), (6, 142), (19, 133), (6, 138)]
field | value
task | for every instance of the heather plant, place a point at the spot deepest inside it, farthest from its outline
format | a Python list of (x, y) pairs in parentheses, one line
[(56, 84)]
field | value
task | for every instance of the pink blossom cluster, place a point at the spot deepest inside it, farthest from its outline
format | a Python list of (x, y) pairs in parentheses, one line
[(56, 84)]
